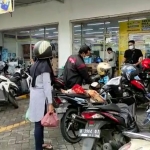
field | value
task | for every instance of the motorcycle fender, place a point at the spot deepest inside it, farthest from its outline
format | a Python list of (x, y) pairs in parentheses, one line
[(5, 85), (88, 143)]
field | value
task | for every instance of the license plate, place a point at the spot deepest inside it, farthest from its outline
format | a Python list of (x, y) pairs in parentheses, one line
[(94, 133)]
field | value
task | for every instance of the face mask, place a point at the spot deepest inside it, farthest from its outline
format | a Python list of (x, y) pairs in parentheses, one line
[(131, 47), (86, 57)]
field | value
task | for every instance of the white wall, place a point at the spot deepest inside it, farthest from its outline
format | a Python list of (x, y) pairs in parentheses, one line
[(55, 12)]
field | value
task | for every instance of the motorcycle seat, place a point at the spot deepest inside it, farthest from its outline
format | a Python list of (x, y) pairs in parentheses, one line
[(73, 95), (109, 107)]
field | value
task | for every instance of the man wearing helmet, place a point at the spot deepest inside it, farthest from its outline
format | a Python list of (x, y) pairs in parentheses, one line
[(133, 55), (75, 70)]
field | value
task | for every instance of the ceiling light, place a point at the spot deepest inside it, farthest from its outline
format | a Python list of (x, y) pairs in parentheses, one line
[(77, 34), (84, 30), (93, 32), (140, 19), (113, 28), (41, 33), (122, 20), (107, 22), (55, 32), (53, 36), (77, 26), (47, 29), (94, 24), (115, 31), (24, 31), (101, 28)]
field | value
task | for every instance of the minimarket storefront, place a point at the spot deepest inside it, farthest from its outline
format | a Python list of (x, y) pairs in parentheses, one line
[(115, 33)]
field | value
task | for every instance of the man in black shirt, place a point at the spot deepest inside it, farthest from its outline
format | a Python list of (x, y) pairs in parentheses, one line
[(133, 55)]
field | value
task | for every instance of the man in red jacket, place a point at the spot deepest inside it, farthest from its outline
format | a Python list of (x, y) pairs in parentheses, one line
[(75, 70)]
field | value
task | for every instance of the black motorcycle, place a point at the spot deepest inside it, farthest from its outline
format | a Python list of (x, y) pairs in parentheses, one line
[(69, 127)]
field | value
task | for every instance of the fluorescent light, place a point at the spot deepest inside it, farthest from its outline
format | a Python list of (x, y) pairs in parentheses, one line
[(77, 26), (55, 32), (115, 31), (113, 28), (40, 33), (95, 24), (84, 30), (24, 31), (93, 32), (140, 19), (77, 34), (101, 28), (53, 36), (47, 29), (107, 22), (122, 20)]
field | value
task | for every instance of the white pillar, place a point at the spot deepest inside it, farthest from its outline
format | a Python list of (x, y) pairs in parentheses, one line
[(1, 41), (64, 41)]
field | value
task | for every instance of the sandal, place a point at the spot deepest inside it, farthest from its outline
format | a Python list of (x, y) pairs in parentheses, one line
[(47, 146)]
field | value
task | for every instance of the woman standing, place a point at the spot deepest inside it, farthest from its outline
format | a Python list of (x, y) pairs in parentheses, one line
[(40, 91)]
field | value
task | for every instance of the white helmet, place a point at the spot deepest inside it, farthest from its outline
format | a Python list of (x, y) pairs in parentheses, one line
[(103, 68)]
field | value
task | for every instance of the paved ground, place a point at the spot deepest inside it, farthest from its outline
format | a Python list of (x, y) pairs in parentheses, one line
[(16, 134)]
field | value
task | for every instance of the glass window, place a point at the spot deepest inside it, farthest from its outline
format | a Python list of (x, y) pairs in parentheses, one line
[(93, 36), (77, 31), (10, 45), (51, 35), (23, 44), (99, 35)]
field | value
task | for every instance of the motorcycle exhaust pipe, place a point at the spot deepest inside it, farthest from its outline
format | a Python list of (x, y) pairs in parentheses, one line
[(78, 119)]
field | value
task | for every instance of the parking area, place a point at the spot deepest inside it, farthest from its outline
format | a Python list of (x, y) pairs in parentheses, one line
[(17, 134)]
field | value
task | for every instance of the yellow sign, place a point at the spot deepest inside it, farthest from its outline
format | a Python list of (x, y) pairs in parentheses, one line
[(6, 6), (135, 26)]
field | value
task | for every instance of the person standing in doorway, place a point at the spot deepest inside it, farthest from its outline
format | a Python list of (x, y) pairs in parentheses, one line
[(111, 59), (132, 55)]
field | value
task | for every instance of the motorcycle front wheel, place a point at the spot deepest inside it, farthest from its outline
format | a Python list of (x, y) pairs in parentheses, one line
[(68, 125)]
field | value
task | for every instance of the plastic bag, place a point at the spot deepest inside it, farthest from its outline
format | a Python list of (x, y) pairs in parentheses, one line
[(50, 120), (27, 114), (78, 89)]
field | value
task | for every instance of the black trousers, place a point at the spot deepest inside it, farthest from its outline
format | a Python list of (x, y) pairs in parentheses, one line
[(113, 72), (39, 134)]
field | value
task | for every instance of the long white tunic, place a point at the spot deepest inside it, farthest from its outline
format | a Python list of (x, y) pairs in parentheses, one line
[(39, 96)]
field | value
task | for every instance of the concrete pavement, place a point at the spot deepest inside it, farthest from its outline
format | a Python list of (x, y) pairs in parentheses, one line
[(17, 134)]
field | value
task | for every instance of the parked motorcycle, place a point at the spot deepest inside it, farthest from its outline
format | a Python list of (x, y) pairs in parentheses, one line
[(7, 89), (111, 118), (139, 141), (145, 74), (127, 85), (105, 125), (22, 79), (76, 103)]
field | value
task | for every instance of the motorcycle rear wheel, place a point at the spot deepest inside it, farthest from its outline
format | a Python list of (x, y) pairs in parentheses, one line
[(67, 117), (12, 99)]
